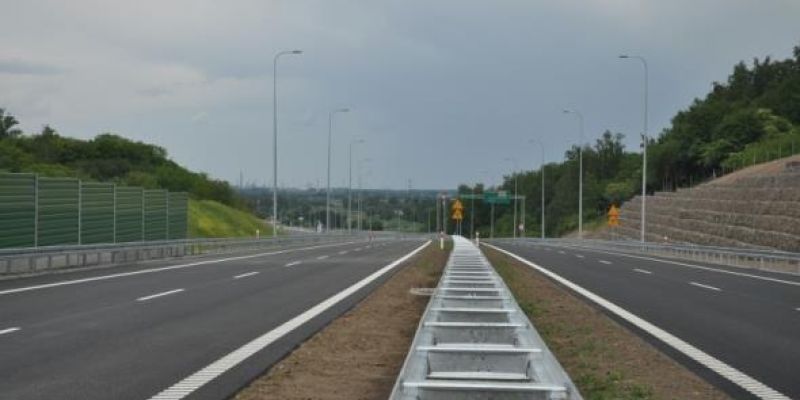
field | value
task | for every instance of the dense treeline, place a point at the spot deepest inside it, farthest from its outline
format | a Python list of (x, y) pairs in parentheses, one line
[(752, 117), (107, 158)]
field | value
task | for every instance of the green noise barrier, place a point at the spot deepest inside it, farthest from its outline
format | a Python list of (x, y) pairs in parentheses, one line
[(40, 211)]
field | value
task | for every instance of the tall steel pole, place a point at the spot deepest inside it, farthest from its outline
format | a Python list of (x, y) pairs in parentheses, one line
[(350, 185), (514, 164), (275, 138), (644, 143), (328, 194), (541, 169), (580, 173)]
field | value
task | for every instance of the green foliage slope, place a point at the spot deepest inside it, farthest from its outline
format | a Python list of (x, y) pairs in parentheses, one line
[(753, 117), (211, 219)]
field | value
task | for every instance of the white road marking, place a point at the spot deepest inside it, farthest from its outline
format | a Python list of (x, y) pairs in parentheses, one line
[(245, 275), (193, 382), (322, 257), (293, 263), (605, 262), (643, 271), (343, 252), (357, 249), (160, 269), (153, 296), (560, 252), (579, 255), (744, 381), (9, 330), (797, 309), (705, 286), (682, 264)]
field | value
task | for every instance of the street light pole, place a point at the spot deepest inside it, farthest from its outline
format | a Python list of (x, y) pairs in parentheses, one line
[(541, 169), (514, 163), (644, 142), (328, 195), (580, 173), (350, 185), (275, 138)]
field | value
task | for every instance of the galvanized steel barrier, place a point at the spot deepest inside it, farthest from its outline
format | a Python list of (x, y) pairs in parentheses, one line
[(474, 341), (40, 259)]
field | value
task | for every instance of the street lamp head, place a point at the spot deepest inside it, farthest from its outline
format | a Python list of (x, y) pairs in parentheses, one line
[(343, 110), (297, 51), (624, 56), (567, 111)]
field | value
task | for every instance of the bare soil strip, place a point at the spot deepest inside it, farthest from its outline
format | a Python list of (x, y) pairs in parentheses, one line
[(359, 355), (604, 358)]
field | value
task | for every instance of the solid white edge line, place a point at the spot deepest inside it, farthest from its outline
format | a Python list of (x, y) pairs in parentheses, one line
[(171, 267), (695, 266), (705, 286), (739, 378), (244, 275), (153, 296), (643, 271), (9, 330), (217, 368)]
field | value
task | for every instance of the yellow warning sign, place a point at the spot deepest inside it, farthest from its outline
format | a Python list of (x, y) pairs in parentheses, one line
[(613, 216), (458, 210)]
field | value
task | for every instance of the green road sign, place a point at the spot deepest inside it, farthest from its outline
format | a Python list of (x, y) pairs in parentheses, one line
[(500, 197)]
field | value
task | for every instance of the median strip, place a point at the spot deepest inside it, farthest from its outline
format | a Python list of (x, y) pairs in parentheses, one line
[(153, 296)]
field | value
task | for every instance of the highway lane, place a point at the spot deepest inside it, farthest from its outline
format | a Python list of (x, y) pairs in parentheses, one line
[(749, 322), (132, 336)]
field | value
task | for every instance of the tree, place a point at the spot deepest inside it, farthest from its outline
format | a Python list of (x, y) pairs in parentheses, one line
[(7, 124)]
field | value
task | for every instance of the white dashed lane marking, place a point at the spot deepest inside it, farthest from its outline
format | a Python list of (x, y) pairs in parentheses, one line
[(343, 252), (153, 296), (293, 263), (9, 330), (245, 275), (579, 255), (642, 271), (322, 257), (605, 262), (705, 286)]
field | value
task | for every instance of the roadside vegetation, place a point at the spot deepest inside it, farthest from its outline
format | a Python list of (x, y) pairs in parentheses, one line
[(211, 219), (752, 117)]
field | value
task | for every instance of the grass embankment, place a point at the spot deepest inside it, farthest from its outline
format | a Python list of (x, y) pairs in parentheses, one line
[(605, 360), (211, 219)]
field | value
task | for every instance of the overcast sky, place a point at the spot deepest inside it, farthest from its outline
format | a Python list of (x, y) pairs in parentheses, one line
[(442, 91)]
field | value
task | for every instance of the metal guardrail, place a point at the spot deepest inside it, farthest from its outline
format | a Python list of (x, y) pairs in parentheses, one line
[(762, 259), (39, 259), (474, 342)]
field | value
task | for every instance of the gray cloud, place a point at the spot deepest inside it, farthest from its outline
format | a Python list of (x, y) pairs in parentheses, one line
[(440, 89)]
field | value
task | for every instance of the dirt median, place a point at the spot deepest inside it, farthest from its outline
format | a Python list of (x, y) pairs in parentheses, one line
[(603, 358), (359, 355)]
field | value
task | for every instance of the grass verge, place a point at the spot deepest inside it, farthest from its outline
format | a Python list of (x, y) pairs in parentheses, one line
[(605, 360), (358, 355), (210, 219)]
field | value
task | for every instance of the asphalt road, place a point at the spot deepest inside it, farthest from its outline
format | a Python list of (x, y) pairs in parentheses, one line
[(129, 333), (746, 318)]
